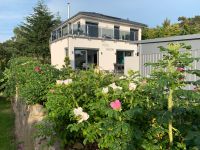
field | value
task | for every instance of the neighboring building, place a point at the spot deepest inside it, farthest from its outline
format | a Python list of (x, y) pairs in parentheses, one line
[(93, 38), (149, 51)]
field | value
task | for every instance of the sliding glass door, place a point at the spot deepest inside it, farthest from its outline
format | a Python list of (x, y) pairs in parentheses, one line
[(85, 58), (80, 59)]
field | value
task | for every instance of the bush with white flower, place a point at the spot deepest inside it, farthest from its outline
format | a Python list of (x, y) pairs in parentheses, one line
[(80, 115), (91, 105), (106, 111)]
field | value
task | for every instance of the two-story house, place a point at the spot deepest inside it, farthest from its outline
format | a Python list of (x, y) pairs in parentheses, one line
[(93, 38)]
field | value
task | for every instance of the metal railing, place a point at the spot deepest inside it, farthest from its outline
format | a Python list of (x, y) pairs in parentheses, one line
[(93, 31)]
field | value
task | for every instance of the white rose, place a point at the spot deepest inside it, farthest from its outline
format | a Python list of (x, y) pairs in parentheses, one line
[(59, 82), (119, 87), (105, 90), (85, 116), (115, 87), (122, 77), (80, 115), (132, 86), (78, 111), (68, 81), (112, 85)]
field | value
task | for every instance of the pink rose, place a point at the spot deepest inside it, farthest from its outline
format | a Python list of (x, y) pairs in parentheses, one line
[(181, 69), (37, 69), (116, 105)]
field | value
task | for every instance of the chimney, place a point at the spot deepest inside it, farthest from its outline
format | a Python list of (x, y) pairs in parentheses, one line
[(68, 10)]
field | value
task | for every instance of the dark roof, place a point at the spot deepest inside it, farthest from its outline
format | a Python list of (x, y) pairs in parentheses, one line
[(102, 16)]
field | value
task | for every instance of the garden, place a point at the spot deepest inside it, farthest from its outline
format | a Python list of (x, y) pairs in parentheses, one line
[(99, 110)]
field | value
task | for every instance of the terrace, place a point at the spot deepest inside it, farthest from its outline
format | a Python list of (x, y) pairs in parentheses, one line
[(94, 31)]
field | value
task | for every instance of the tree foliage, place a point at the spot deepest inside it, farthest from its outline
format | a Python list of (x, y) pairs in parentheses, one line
[(183, 27), (32, 37)]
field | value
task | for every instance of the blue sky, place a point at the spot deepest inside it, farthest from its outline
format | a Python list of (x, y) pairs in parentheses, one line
[(150, 12)]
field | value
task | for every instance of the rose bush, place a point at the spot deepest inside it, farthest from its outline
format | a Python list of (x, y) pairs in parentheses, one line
[(31, 77), (114, 112)]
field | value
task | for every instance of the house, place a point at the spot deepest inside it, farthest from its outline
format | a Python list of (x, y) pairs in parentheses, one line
[(93, 38)]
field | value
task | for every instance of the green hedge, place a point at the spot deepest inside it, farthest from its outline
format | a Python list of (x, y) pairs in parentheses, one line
[(31, 77)]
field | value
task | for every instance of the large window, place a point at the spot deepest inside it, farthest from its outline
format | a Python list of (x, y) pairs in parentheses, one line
[(92, 29), (116, 32), (84, 58), (133, 34)]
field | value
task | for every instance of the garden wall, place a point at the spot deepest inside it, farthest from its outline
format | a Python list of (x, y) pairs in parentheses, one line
[(26, 117)]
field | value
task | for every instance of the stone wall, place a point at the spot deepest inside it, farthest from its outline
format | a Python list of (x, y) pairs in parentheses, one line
[(26, 117)]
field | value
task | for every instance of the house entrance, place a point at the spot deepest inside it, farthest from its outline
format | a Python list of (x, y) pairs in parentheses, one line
[(120, 55), (85, 58)]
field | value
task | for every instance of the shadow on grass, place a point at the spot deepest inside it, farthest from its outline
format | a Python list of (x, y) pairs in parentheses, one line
[(6, 125)]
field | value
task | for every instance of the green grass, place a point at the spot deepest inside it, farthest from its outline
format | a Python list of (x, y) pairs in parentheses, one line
[(6, 125)]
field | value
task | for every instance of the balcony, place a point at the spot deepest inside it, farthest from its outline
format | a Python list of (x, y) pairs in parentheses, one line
[(94, 32)]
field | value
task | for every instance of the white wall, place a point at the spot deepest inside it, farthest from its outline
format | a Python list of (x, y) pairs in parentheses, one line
[(58, 52), (107, 50), (131, 63)]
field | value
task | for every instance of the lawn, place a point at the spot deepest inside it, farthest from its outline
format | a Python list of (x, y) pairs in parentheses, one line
[(6, 125)]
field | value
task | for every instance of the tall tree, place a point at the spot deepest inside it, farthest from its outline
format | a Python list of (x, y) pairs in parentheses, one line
[(183, 27), (166, 23), (32, 37)]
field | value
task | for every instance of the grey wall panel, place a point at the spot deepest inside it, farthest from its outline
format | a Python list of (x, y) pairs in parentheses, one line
[(149, 52)]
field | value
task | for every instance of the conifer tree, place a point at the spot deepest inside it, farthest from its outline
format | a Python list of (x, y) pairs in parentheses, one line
[(32, 37)]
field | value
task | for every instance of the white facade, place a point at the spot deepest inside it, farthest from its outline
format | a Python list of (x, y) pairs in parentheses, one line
[(104, 45)]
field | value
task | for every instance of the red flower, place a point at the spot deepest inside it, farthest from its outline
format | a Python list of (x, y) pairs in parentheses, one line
[(37, 69), (181, 79), (181, 69)]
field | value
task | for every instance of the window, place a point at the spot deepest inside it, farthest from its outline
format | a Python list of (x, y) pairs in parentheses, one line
[(92, 29), (133, 34), (78, 29), (116, 32), (84, 58), (65, 30), (53, 36), (59, 33), (121, 54), (66, 52), (79, 25), (127, 53), (70, 28)]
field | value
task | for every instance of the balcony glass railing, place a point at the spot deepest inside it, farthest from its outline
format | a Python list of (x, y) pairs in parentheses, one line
[(94, 31)]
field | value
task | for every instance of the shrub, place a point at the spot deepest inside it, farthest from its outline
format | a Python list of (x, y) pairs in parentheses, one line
[(93, 92), (31, 77), (126, 112), (112, 112)]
